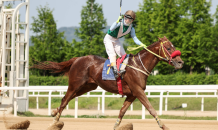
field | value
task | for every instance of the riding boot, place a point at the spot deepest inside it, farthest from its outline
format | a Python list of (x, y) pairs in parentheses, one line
[(122, 72), (123, 66), (116, 72)]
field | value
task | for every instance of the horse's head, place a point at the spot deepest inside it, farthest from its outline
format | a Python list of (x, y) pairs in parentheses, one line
[(169, 52)]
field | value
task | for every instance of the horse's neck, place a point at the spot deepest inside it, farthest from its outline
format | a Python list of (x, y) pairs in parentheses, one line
[(149, 60)]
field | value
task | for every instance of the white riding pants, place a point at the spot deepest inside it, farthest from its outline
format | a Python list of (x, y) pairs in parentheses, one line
[(113, 47)]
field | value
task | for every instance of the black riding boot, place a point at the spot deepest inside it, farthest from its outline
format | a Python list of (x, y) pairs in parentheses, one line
[(116, 73)]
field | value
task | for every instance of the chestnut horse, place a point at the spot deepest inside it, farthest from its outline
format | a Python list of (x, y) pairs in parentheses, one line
[(85, 74)]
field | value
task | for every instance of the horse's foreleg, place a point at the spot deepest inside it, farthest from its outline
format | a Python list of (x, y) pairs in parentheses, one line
[(144, 100), (123, 110)]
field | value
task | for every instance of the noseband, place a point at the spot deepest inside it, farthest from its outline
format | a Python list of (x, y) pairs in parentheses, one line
[(174, 54)]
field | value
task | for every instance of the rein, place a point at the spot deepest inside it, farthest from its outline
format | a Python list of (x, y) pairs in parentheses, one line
[(174, 54)]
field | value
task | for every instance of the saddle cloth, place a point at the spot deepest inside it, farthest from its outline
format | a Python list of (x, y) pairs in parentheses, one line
[(107, 73)]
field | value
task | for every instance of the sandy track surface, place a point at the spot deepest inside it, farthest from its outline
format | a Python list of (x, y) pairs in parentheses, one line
[(41, 123), (135, 112)]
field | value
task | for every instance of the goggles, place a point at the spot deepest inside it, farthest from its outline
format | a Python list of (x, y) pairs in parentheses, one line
[(128, 18)]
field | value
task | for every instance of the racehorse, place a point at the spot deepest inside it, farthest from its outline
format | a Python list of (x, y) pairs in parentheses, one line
[(85, 74)]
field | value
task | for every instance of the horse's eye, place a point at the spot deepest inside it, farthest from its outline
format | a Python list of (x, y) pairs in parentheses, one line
[(168, 49)]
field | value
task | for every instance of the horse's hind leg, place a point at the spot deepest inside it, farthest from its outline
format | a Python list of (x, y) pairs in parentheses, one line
[(123, 110), (89, 87), (54, 112), (72, 94)]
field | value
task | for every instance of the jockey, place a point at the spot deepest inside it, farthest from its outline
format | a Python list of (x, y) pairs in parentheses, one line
[(112, 44)]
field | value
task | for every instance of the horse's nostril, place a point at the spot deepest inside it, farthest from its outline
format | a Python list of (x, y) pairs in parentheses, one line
[(181, 62)]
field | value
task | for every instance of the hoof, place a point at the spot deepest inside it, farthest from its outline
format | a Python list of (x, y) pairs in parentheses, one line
[(54, 112), (21, 125), (56, 126), (165, 128), (128, 126)]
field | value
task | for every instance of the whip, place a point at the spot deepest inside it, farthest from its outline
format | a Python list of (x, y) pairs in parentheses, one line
[(120, 6)]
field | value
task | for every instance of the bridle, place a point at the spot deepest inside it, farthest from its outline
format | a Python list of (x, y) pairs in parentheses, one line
[(174, 54)]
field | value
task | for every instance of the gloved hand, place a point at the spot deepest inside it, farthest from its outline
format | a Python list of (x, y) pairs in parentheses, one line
[(141, 44), (120, 17)]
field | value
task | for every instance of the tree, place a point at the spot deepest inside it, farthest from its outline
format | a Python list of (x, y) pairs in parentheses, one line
[(157, 19), (213, 52), (166, 20), (186, 23), (195, 35), (143, 24), (90, 31), (48, 43)]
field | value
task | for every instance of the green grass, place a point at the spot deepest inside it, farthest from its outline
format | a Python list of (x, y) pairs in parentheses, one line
[(117, 103), (30, 114)]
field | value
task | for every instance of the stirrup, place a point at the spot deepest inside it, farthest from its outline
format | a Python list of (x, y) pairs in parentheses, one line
[(116, 72)]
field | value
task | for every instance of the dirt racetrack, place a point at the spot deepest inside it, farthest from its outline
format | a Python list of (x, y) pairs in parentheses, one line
[(41, 123)]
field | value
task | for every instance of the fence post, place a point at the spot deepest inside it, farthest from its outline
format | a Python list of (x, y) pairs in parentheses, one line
[(15, 107), (76, 107), (166, 102), (202, 104), (143, 112), (132, 106), (217, 104), (161, 103), (98, 103), (37, 102), (103, 102), (49, 103), (15, 102)]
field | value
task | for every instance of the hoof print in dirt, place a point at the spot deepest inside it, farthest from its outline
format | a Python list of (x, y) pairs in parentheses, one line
[(21, 125), (128, 126), (56, 126)]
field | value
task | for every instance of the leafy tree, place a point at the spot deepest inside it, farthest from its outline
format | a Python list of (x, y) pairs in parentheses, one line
[(186, 23), (195, 35), (90, 31), (48, 43), (213, 52), (157, 19), (143, 24), (166, 20)]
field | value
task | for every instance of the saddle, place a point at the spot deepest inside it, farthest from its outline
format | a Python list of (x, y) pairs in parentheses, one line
[(107, 73)]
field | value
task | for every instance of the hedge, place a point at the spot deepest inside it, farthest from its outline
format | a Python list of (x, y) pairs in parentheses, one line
[(48, 80), (174, 79), (183, 79)]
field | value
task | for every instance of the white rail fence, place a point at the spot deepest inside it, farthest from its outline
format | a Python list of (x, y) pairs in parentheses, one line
[(169, 88)]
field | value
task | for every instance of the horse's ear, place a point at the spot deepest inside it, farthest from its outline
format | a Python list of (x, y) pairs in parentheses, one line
[(159, 38), (165, 38)]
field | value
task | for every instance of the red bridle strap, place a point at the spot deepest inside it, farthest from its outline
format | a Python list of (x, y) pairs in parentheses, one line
[(174, 54)]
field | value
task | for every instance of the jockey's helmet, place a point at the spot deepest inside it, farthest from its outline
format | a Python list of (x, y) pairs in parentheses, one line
[(130, 14)]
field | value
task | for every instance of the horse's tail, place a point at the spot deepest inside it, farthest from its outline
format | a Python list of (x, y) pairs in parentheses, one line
[(62, 67)]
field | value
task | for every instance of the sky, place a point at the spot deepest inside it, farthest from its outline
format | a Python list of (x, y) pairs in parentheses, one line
[(67, 12)]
